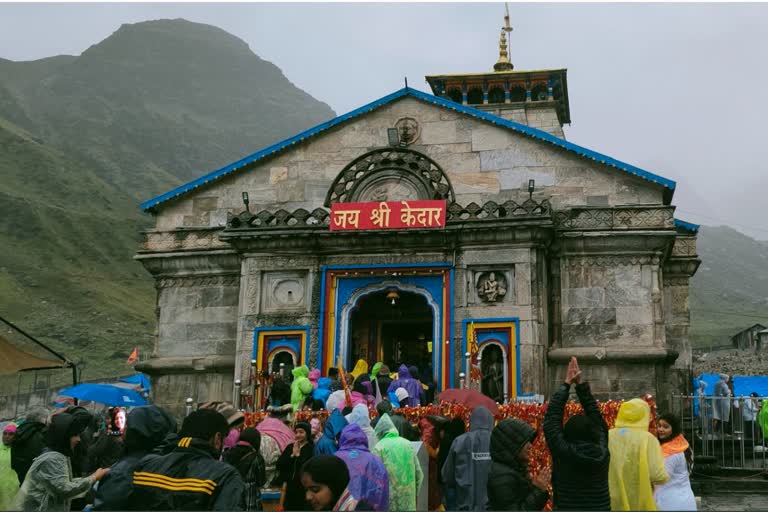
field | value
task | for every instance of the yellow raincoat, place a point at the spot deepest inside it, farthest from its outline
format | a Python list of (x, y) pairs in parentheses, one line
[(636, 459), (360, 368)]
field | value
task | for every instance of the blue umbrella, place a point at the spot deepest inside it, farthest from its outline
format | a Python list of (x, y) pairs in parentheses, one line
[(105, 394), (139, 378)]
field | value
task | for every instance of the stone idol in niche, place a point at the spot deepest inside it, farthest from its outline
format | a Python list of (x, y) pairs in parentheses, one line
[(491, 287)]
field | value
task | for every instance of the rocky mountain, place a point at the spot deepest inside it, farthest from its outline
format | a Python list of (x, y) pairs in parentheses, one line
[(85, 139)]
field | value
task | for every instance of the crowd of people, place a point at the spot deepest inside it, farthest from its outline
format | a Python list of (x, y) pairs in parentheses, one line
[(347, 462)]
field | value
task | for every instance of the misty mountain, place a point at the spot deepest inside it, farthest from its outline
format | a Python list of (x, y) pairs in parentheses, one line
[(730, 290), (84, 139)]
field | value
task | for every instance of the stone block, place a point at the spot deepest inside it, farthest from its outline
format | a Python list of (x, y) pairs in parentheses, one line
[(523, 283), (468, 183), (204, 204), (584, 297), (575, 316), (634, 315), (490, 138), (519, 176), (626, 296), (220, 296), (455, 164), (436, 150), (314, 193), (289, 191), (277, 174), (441, 132), (211, 332)]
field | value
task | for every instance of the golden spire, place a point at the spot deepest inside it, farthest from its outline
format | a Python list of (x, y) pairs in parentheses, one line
[(503, 64)]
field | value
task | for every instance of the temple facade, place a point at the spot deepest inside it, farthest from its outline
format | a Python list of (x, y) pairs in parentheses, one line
[(506, 249)]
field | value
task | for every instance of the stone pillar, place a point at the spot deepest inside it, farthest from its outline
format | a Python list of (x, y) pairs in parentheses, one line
[(197, 301)]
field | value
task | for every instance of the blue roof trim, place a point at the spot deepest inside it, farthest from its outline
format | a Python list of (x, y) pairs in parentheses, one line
[(686, 225), (435, 100)]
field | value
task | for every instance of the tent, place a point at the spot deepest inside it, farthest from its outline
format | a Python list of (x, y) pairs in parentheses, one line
[(13, 360)]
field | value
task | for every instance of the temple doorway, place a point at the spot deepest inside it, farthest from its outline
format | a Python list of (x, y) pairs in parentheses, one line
[(393, 326)]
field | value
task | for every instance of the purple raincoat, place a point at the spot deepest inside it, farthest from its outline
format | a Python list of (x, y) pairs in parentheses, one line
[(368, 480), (411, 385)]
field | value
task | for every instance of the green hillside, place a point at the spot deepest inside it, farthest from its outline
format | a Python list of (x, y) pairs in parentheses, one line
[(730, 290), (84, 139)]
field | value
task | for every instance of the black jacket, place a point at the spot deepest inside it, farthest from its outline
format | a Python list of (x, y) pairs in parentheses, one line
[(508, 485), (579, 469), (290, 474), (188, 478), (28, 443)]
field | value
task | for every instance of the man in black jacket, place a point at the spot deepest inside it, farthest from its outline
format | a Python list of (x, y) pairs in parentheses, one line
[(191, 476), (29, 442), (580, 457)]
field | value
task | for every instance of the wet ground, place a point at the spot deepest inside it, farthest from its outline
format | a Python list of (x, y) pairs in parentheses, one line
[(751, 502)]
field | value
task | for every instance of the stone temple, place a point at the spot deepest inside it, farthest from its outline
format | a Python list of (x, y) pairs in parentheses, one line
[(541, 249)]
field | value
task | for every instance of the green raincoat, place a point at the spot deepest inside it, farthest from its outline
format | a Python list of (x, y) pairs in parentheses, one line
[(762, 418), (301, 386), (9, 482), (403, 468)]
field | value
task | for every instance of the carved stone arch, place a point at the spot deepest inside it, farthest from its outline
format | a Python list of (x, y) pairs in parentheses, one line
[(404, 173)]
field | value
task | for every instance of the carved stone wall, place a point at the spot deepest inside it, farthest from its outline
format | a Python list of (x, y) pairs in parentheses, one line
[(483, 163)]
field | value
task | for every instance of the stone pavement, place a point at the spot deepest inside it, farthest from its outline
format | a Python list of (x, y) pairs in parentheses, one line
[(751, 502)]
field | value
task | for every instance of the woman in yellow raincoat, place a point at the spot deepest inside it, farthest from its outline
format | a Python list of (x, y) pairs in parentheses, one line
[(636, 459)]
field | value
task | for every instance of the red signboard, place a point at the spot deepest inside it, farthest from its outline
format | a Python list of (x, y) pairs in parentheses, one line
[(388, 215)]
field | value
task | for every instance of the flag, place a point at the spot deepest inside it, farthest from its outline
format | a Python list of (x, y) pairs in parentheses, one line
[(475, 375), (133, 357)]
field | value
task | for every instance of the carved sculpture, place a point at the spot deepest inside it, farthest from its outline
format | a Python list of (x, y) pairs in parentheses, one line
[(491, 289)]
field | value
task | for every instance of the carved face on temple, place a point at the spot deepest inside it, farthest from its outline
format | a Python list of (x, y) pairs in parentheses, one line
[(389, 190)]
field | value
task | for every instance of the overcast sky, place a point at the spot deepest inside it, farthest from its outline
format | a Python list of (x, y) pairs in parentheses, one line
[(676, 89)]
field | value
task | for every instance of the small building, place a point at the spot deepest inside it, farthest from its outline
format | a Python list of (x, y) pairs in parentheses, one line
[(748, 338)]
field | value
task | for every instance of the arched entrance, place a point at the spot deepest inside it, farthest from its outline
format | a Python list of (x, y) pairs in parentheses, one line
[(493, 365), (392, 325), (282, 356)]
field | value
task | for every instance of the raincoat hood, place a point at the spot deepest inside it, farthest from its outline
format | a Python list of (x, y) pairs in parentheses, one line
[(360, 368), (508, 438), (147, 426), (375, 369), (300, 371), (634, 414), (353, 438), (324, 383), (277, 430), (403, 373), (27, 430), (314, 376), (359, 416), (334, 424), (385, 427), (480, 419)]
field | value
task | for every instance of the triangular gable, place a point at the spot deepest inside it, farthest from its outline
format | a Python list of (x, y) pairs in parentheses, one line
[(428, 98)]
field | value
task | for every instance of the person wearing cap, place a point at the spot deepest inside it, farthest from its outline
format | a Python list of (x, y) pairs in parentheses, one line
[(9, 484), (49, 484), (147, 427), (234, 419)]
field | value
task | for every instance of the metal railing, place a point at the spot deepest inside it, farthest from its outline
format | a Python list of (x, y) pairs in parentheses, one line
[(724, 428)]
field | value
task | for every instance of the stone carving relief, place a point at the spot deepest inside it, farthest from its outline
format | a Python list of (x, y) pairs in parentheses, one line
[(408, 129), (608, 261), (284, 291), (393, 189), (198, 281), (615, 218), (684, 246), (389, 166), (491, 286)]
